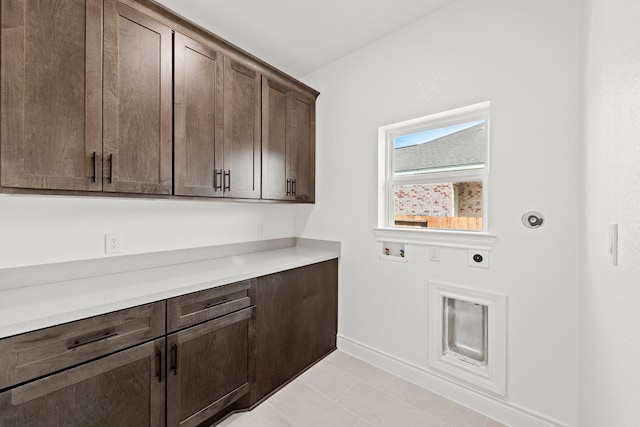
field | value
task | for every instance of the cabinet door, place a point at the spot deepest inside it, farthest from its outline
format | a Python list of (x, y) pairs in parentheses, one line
[(276, 140), (288, 143), (241, 164), (51, 111), (137, 102), (125, 389), (198, 114), (208, 368), (303, 130), (296, 323)]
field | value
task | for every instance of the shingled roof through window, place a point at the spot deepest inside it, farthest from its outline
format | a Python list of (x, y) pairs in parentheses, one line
[(462, 148)]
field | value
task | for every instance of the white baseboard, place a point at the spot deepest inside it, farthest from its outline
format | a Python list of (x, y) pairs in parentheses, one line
[(503, 411)]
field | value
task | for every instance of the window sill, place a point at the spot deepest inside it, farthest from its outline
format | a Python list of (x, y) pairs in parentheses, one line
[(443, 238)]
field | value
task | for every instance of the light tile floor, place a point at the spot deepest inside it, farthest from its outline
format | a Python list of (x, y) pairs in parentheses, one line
[(342, 391)]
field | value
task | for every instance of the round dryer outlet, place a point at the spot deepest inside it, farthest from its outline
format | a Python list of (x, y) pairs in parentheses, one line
[(532, 219)]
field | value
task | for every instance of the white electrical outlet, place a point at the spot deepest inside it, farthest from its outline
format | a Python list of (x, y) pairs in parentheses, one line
[(478, 258), (434, 253), (112, 243), (260, 230)]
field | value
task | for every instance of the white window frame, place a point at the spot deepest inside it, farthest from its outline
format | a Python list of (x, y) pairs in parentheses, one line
[(386, 231)]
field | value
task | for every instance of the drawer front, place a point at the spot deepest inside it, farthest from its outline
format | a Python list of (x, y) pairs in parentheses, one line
[(198, 307), (34, 354)]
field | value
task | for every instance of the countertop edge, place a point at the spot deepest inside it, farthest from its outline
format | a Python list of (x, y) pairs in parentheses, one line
[(250, 266)]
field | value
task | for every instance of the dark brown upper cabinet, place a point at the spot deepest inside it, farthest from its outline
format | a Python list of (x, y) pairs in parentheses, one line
[(50, 119), (90, 104), (303, 124), (198, 118), (240, 162), (137, 93), (288, 143), (55, 98), (217, 124), (276, 140)]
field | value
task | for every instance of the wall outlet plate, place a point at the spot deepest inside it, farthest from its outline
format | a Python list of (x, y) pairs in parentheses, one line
[(434, 253), (112, 243), (478, 258)]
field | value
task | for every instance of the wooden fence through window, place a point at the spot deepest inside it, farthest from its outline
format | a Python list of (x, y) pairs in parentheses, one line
[(449, 222)]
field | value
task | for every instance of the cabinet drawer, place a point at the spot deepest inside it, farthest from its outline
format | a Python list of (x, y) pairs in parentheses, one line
[(125, 389), (34, 354), (198, 307)]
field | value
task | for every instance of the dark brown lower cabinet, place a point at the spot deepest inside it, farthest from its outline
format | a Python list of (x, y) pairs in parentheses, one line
[(297, 321), (125, 389), (221, 354), (209, 368)]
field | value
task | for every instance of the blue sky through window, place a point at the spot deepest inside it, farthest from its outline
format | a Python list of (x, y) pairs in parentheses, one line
[(430, 135)]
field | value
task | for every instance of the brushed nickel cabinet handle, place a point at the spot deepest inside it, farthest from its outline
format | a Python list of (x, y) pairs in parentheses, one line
[(110, 168), (217, 180), (95, 167), (294, 187), (214, 304), (174, 359), (159, 365), (227, 180), (79, 343), (288, 186)]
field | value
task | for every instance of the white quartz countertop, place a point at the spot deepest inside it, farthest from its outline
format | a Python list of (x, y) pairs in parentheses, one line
[(29, 308)]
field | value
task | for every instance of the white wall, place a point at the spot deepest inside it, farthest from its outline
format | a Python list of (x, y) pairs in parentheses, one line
[(39, 230), (610, 371), (525, 57)]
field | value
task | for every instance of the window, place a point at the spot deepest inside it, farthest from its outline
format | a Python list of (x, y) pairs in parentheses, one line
[(433, 172)]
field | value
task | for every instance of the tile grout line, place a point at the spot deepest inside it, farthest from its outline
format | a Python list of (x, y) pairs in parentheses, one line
[(444, 422), (347, 391), (389, 396), (359, 379), (344, 407), (414, 407), (338, 398), (326, 395), (279, 412), (384, 391)]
